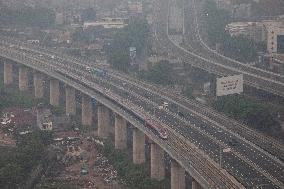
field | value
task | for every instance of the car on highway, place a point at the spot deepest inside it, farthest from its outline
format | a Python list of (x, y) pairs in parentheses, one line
[(233, 142), (180, 114)]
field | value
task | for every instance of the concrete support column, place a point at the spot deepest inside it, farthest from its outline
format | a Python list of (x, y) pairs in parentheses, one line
[(8, 73), (138, 146), (120, 133), (195, 184), (103, 121), (177, 176), (54, 92), (23, 78), (38, 85), (70, 101), (157, 162), (87, 111)]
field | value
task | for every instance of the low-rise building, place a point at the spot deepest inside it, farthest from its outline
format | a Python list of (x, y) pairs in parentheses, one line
[(107, 23), (277, 63), (252, 30), (274, 32), (135, 7)]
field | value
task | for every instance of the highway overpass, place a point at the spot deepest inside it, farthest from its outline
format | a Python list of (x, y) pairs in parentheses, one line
[(201, 56), (195, 142)]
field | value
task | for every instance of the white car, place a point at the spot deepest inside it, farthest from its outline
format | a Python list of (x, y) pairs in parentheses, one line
[(166, 104), (88, 68)]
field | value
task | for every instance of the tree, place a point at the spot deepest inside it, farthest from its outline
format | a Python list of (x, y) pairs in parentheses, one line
[(28, 16), (240, 48), (88, 14), (215, 21), (161, 73), (262, 120), (188, 91), (256, 115), (135, 34), (79, 36), (17, 164), (120, 61)]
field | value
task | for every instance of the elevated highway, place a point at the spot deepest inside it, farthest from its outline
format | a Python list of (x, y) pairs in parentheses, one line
[(201, 56), (247, 163)]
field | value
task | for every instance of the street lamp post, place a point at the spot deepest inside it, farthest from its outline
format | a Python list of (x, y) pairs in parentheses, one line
[(220, 156)]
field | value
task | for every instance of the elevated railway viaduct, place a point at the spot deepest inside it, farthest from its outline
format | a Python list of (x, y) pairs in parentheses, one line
[(187, 154)]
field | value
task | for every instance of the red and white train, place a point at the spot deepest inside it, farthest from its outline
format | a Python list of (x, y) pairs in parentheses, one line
[(133, 109), (150, 123)]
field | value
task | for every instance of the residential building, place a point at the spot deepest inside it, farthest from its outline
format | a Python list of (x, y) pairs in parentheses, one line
[(107, 23), (274, 32), (252, 30)]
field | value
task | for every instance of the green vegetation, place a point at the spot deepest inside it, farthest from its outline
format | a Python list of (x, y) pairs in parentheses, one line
[(160, 73), (240, 48), (27, 16), (13, 97), (80, 36), (136, 34), (135, 176), (214, 22), (88, 14), (16, 164), (255, 114), (55, 186), (188, 91), (57, 110)]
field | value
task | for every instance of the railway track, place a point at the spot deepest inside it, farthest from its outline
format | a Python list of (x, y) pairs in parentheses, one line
[(198, 156), (81, 73), (81, 65), (273, 146)]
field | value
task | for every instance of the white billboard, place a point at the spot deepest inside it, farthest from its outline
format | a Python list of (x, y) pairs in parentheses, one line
[(229, 85)]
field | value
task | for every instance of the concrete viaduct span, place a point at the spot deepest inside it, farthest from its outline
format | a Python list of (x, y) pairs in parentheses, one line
[(209, 60), (186, 157)]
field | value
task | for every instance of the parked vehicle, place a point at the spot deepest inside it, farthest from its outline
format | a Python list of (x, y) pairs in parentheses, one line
[(84, 169)]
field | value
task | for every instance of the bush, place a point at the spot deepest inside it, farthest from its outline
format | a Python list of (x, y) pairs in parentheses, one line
[(256, 115), (13, 97), (17, 164), (160, 73), (135, 176)]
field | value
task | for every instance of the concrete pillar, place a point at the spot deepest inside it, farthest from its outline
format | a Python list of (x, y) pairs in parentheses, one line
[(23, 78), (8, 73), (157, 162), (103, 121), (38, 85), (54, 92), (120, 133), (87, 111), (138, 146), (70, 101), (177, 176), (195, 184)]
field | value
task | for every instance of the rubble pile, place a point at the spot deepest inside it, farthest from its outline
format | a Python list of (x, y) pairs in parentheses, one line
[(104, 169)]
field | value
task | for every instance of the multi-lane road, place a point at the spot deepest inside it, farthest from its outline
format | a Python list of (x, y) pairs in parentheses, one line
[(251, 165), (201, 56), (186, 154)]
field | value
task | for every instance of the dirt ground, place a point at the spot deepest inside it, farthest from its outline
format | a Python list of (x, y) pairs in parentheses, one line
[(100, 175), (6, 140)]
